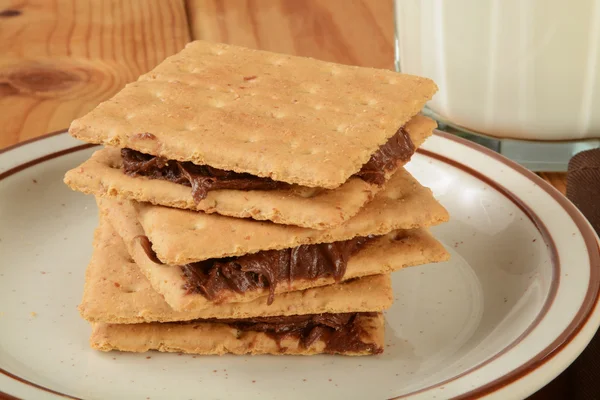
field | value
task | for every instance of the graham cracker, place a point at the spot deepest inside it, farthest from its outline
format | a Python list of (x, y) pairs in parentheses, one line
[(292, 119), (117, 292), (102, 175), (181, 236), (390, 252), (216, 339)]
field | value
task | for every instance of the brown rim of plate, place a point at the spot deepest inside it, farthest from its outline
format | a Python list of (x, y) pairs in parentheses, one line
[(35, 139), (580, 319), (590, 300)]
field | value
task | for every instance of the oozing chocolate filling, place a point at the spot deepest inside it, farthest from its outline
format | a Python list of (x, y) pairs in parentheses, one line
[(398, 149), (266, 269), (340, 332), (203, 178)]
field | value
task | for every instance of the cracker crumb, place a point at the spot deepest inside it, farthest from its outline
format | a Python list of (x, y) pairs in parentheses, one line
[(33, 314), (148, 357)]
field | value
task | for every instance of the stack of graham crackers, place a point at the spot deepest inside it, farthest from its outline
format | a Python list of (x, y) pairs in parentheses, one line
[(253, 202)]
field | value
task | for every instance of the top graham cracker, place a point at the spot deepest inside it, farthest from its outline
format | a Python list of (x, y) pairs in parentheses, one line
[(292, 119)]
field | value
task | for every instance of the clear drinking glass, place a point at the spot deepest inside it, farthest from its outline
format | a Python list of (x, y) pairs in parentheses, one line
[(519, 76)]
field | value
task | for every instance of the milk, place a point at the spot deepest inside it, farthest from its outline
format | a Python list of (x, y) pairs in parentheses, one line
[(523, 69)]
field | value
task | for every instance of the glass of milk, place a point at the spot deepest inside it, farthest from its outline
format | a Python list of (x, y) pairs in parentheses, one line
[(519, 76)]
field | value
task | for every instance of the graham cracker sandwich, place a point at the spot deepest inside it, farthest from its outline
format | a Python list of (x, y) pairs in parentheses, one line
[(116, 292), (128, 315), (352, 334), (196, 260), (247, 133), (115, 173)]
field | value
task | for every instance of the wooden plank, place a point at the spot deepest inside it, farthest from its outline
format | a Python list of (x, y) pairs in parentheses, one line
[(60, 58), (556, 179), (357, 32)]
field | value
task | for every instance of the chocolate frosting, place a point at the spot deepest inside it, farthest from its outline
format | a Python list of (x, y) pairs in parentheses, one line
[(203, 178), (340, 332), (398, 149), (266, 269), (147, 246)]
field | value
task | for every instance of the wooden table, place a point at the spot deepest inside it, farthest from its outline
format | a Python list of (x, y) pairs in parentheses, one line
[(59, 59)]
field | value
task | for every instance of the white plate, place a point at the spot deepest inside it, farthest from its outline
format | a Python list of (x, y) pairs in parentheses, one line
[(517, 303)]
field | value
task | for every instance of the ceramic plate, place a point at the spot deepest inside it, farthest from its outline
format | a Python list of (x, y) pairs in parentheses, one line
[(514, 307)]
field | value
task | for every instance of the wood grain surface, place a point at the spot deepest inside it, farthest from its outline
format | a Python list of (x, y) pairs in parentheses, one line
[(60, 58), (356, 32), (556, 179)]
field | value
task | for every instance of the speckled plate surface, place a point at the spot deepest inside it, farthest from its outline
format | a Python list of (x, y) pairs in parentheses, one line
[(517, 303)]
